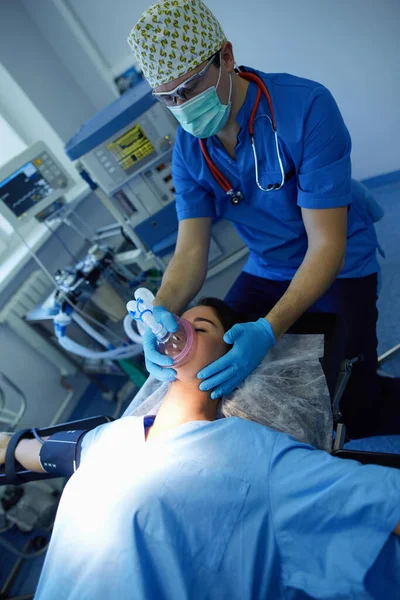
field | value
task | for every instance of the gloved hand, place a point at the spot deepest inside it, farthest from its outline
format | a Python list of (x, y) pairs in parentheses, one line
[(251, 342), (153, 358)]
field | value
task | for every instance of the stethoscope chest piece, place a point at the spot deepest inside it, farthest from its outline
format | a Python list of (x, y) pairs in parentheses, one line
[(236, 198)]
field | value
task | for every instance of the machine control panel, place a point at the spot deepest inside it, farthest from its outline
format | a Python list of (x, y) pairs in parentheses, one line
[(50, 171), (133, 150)]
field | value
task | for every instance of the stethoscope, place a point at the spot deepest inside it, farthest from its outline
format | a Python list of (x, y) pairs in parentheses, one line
[(237, 196)]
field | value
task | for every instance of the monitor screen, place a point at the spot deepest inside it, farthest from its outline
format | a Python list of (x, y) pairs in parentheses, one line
[(24, 189), (131, 147)]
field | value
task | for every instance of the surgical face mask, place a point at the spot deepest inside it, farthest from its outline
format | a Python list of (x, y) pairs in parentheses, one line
[(204, 115)]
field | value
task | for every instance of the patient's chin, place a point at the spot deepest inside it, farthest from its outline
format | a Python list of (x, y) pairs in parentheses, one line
[(187, 373), (202, 358)]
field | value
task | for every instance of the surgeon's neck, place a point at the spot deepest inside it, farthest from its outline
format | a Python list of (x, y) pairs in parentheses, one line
[(183, 402), (228, 135)]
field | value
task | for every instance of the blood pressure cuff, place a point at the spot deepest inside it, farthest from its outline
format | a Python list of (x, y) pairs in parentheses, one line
[(60, 455)]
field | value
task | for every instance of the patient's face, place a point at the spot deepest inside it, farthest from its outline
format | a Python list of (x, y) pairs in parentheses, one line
[(210, 344)]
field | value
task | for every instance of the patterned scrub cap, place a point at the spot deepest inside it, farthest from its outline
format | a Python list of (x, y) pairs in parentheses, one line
[(172, 37)]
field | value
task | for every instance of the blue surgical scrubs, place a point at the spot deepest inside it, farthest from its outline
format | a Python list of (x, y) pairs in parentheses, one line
[(221, 510), (315, 148)]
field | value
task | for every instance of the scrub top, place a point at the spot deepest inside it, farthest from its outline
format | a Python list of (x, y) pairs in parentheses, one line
[(221, 510), (315, 148)]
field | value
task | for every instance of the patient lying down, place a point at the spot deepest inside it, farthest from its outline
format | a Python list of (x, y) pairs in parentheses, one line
[(287, 392), (187, 506)]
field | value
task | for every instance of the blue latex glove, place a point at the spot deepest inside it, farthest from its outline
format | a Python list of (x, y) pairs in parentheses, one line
[(251, 342), (152, 357)]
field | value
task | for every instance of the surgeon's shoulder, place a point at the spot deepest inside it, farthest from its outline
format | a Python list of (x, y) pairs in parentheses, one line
[(295, 92), (293, 96), (287, 80)]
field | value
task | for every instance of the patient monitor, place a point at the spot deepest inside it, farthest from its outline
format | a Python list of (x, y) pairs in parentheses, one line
[(31, 184)]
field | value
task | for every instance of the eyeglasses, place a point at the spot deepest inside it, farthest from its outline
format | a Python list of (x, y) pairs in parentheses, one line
[(186, 90)]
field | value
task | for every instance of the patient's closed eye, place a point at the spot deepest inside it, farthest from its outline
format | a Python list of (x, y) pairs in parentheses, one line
[(205, 320)]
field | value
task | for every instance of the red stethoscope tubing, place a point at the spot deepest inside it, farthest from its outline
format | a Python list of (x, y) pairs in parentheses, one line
[(262, 89)]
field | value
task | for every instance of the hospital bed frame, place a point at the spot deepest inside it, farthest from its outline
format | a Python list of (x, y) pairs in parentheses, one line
[(364, 457)]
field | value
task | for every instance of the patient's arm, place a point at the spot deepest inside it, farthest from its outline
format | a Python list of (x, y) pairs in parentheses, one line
[(26, 453), (397, 529), (60, 453)]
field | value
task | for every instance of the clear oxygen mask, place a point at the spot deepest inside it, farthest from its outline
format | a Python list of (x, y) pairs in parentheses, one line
[(178, 345)]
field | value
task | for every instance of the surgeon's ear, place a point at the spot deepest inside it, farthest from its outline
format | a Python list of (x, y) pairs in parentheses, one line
[(228, 60)]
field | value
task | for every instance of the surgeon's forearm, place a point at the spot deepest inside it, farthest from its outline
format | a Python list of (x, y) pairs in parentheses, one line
[(317, 272), (182, 280)]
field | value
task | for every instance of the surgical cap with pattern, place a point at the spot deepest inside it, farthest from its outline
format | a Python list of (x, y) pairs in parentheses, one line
[(172, 37)]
